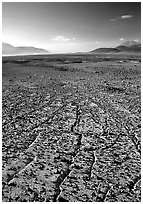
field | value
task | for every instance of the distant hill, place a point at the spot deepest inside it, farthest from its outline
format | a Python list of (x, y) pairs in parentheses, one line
[(128, 46), (122, 48), (8, 49), (133, 48), (106, 50)]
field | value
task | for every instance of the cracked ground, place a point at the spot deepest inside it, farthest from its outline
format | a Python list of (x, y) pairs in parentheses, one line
[(71, 129)]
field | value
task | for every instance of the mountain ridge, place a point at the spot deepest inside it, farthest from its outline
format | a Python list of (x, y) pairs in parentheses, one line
[(129, 43), (128, 46), (8, 49)]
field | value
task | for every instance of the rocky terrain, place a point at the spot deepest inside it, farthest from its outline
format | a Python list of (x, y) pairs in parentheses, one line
[(71, 128)]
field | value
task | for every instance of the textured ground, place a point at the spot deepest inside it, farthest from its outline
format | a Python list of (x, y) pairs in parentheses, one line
[(71, 129)]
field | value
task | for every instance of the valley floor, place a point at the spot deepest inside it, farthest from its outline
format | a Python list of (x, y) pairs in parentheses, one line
[(71, 129)]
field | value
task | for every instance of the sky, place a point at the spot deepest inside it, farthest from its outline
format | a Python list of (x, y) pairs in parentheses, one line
[(63, 27)]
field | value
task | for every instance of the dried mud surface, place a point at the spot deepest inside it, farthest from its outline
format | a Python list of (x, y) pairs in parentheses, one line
[(71, 129)]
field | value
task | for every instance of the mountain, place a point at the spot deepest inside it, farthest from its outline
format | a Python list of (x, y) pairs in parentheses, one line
[(106, 50), (8, 49), (122, 48), (130, 43), (128, 46), (133, 48)]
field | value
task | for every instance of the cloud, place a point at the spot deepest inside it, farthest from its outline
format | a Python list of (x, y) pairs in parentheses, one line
[(126, 16), (122, 17), (61, 38), (121, 39), (92, 42)]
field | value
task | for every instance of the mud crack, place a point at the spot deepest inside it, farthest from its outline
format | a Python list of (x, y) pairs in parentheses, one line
[(77, 119), (64, 175), (59, 181), (94, 159)]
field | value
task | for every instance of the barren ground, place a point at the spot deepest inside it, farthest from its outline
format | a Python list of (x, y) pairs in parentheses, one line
[(71, 128)]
